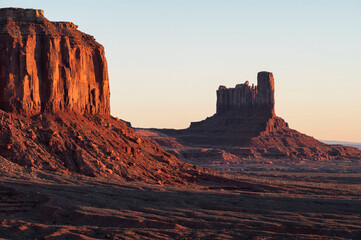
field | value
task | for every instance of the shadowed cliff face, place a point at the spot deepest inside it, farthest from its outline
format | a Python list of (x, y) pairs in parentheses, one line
[(243, 113), (245, 100), (49, 66)]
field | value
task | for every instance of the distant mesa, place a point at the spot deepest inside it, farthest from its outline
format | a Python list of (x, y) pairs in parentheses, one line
[(245, 125), (243, 114), (50, 66)]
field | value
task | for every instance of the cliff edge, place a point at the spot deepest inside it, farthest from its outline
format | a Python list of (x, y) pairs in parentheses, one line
[(50, 66), (54, 107)]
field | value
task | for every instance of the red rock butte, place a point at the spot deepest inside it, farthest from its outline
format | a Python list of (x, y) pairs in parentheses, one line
[(50, 66), (245, 100), (243, 113), (246, 125), (54, 107)]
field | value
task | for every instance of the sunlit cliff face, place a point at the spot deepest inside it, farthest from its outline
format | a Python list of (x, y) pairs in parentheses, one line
[(50, 66)]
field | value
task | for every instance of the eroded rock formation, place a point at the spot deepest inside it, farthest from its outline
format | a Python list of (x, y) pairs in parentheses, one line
[(245, 100), (54, 107), (242, 113), (49, 66), (245, 126), (91, 145)]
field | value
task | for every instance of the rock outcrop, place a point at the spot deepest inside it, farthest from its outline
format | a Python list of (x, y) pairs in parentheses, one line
[(245, 126), (245, 100), (54, 107), (90, 145), (50, 66), (242, 113)]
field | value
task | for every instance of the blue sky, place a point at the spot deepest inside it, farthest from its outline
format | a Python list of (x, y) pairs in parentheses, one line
[(167, 58)]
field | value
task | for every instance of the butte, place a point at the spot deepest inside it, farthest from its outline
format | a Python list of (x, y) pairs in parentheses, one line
[(245, 126), (55, 107)]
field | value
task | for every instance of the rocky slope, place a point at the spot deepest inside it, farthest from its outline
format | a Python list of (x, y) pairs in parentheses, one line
[(91, 145), (245, 126), (54, 107)]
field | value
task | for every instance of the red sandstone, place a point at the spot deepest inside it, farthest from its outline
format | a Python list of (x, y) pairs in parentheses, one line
[(246, 127), (50, 66), (54, 107)]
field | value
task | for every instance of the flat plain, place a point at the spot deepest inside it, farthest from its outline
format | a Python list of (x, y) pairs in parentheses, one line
[(235, 205)]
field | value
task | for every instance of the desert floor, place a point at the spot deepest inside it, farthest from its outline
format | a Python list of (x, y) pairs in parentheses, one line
[(238, 205)]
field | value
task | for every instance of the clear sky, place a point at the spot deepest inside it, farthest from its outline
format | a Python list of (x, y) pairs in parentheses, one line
[(167, 58)]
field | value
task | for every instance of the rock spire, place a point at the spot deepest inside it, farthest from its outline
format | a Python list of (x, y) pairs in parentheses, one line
[(245, 100)]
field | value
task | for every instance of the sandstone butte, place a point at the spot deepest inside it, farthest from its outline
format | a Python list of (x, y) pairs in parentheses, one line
[(50, 66), (55, 107), (245, 126)]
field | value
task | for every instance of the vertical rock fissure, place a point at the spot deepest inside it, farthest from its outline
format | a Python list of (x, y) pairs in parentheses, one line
[(245, 100), (50, 66)]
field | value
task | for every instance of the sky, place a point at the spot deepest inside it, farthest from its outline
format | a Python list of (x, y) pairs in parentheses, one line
[(166, 58)]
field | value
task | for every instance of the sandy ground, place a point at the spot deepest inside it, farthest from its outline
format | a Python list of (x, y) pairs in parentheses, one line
[(249, 205), (283, 165)]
